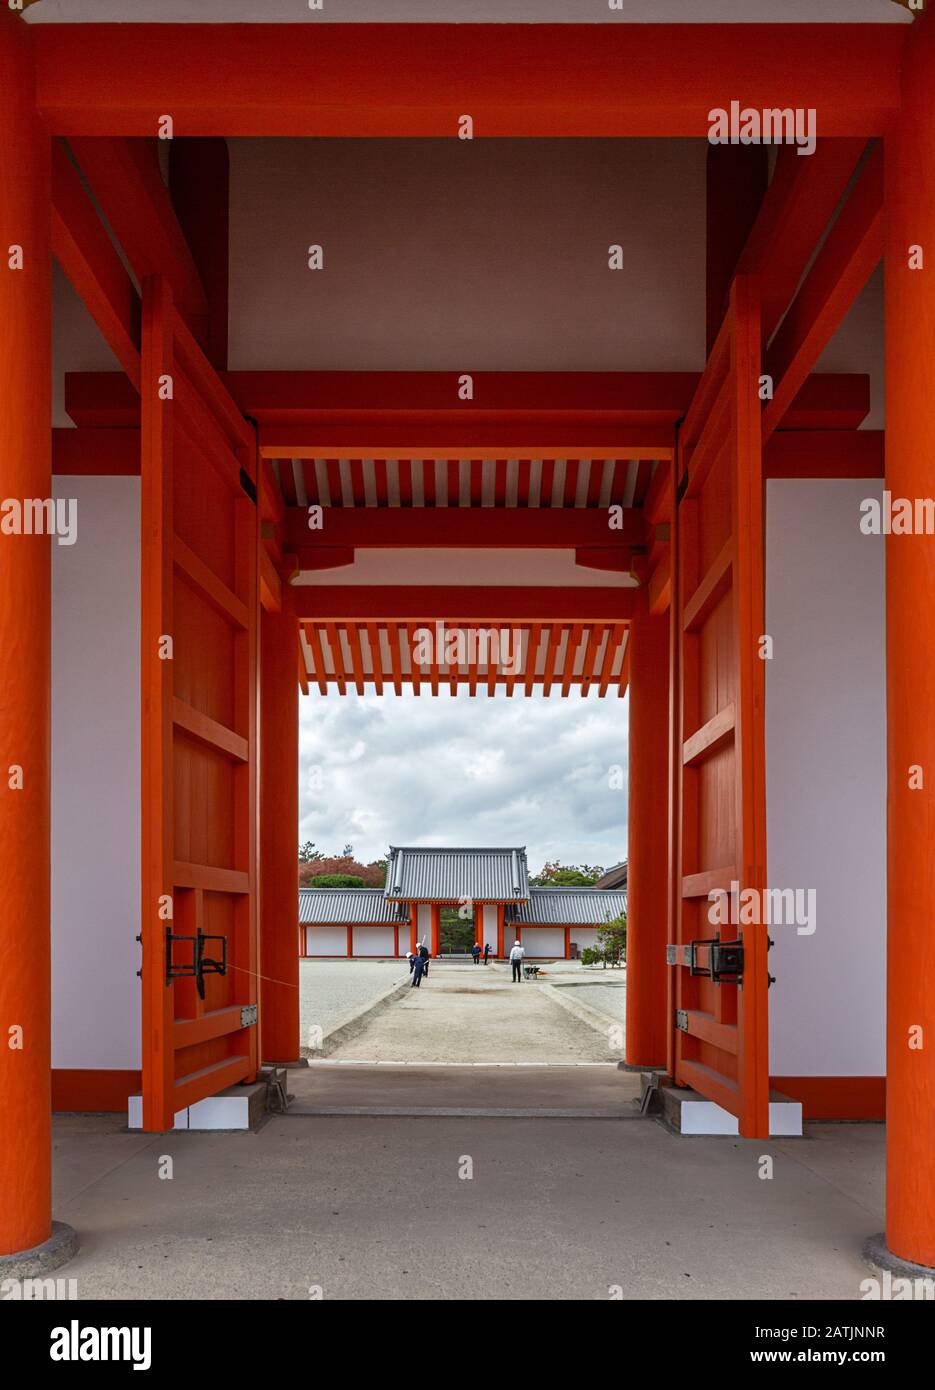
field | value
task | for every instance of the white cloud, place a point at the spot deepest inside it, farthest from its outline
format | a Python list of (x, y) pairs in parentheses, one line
[(422, 770)]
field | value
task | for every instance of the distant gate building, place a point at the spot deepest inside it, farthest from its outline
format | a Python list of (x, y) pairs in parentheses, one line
[(489, 886)]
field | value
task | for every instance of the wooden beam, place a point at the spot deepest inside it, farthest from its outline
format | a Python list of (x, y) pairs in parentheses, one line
[(157, 767), (796, 209), (318, 659), (96, 452), (399, 80), (572, 648), (125, 178), (90, 451), (419, 604), (710, 737), (211, 388), (290, 397), (442, 528), (824, 454), (207, 731), (201, 577), (611, 559), (556, 631), (659, 586), (736, 180), (848, 257), (319, 557), (550, 411), (86, 253), (376, 657), (199, 186), (270, 582), (412, 439)]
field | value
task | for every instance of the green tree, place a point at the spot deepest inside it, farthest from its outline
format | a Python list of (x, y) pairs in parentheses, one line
[(612, 939), (336, 881), (308, 854), (555, 875)]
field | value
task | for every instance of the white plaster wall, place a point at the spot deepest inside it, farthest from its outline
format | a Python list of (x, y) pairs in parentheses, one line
[(96, 779), (373, 941), (326, 941), (544, 941), (424, 924), (584, 936), (490, 925), (826, 776)]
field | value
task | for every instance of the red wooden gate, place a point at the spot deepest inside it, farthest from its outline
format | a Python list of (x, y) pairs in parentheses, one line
[(199, 724), (718, 821)]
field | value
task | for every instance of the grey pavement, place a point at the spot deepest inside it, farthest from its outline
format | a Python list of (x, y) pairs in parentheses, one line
[(378, 1208)]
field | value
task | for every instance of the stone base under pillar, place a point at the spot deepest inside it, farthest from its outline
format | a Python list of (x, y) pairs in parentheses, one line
[(881, 1260), (687, 1112), (61, 1246)]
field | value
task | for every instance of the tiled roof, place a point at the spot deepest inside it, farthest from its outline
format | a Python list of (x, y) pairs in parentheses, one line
[(568, 907), (615, 877), (481, 875), (324, 906)]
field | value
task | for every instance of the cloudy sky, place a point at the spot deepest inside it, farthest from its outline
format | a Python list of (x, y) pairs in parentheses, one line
[(384, 769)]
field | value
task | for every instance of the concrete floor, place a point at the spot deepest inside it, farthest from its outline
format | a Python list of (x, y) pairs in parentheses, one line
[(596, 1089), (474, 1013), (374, 1208)]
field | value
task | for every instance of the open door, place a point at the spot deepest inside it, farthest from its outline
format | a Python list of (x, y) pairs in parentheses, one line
[(718, 822), (199, 724)]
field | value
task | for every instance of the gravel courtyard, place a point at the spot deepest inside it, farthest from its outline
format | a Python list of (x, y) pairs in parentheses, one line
[(468, 1013), (331, 989)]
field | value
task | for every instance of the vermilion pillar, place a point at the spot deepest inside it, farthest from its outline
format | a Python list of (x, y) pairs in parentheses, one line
[(910, 663), (25, 627), (279, 833), (647, 847)]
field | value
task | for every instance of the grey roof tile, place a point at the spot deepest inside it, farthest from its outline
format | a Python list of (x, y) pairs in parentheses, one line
[(568, 907), (326, 906), (420, 873)]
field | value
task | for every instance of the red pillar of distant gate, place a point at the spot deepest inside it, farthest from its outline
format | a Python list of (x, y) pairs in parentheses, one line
[(910, 663), (25, 634), (279, 834), (647, 846)]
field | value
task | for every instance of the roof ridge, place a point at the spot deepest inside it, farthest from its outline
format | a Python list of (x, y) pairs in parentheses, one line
[(460, 849)]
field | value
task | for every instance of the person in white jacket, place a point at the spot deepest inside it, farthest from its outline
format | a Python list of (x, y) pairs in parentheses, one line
[(517, 954)]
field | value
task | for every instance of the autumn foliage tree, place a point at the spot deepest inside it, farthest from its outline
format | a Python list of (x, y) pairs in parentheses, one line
[(370, 875)]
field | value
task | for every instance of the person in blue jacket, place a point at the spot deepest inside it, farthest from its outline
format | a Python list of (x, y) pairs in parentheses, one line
[(475, 951), (418, 970)]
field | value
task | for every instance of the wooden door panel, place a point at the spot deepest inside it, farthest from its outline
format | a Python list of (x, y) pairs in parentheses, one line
[(717, 832), (199, 575)]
